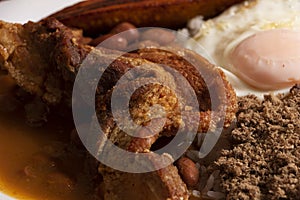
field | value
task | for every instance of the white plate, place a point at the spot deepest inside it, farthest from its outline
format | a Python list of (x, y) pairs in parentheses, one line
[(20, 11)]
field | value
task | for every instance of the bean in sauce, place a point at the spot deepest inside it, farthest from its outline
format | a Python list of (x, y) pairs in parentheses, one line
[(134, 38), (132, 33)]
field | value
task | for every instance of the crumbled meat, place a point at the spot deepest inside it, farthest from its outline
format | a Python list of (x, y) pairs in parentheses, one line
[(264, 162)]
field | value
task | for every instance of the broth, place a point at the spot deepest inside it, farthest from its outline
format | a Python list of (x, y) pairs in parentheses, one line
[(39, 163)]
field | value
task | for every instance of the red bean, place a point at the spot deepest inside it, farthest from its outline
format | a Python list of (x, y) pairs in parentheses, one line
[(110, 41), (132, 33), (161, 36), (188, 170)]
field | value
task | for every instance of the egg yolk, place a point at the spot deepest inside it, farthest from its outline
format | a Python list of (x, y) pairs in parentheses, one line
[(269, 60)]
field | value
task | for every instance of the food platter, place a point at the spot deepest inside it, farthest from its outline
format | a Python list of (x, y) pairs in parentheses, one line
[(102, 102)]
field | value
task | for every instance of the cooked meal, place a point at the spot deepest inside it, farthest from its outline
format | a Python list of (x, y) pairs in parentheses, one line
[(163, 122)]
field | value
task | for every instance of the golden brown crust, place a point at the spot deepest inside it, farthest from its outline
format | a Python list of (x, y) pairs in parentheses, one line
[(58, 72), (100, 16), (190, 71), (42, 57), (153, 94), (161, 184)]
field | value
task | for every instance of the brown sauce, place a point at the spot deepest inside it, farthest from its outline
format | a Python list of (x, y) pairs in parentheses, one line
[(39, 163)]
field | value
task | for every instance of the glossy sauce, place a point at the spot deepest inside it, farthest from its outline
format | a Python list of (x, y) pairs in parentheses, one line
[(39, 163)]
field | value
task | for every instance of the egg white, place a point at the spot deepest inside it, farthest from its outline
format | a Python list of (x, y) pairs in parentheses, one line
[(218, 37)]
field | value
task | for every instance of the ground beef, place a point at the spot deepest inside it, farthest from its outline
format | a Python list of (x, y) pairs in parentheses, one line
[(264, 162)]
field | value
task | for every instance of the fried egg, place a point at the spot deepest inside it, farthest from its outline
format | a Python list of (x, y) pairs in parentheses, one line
[(256, 43)]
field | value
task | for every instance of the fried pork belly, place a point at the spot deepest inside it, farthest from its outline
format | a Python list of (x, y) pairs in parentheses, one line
[(139, 107), (161, 184), (189, 71), (44, 59)]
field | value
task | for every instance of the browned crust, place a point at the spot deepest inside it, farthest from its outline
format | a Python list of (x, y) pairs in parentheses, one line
[(164, 183), (65, 57), (154, 94), (43, 57), (98, 16)]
